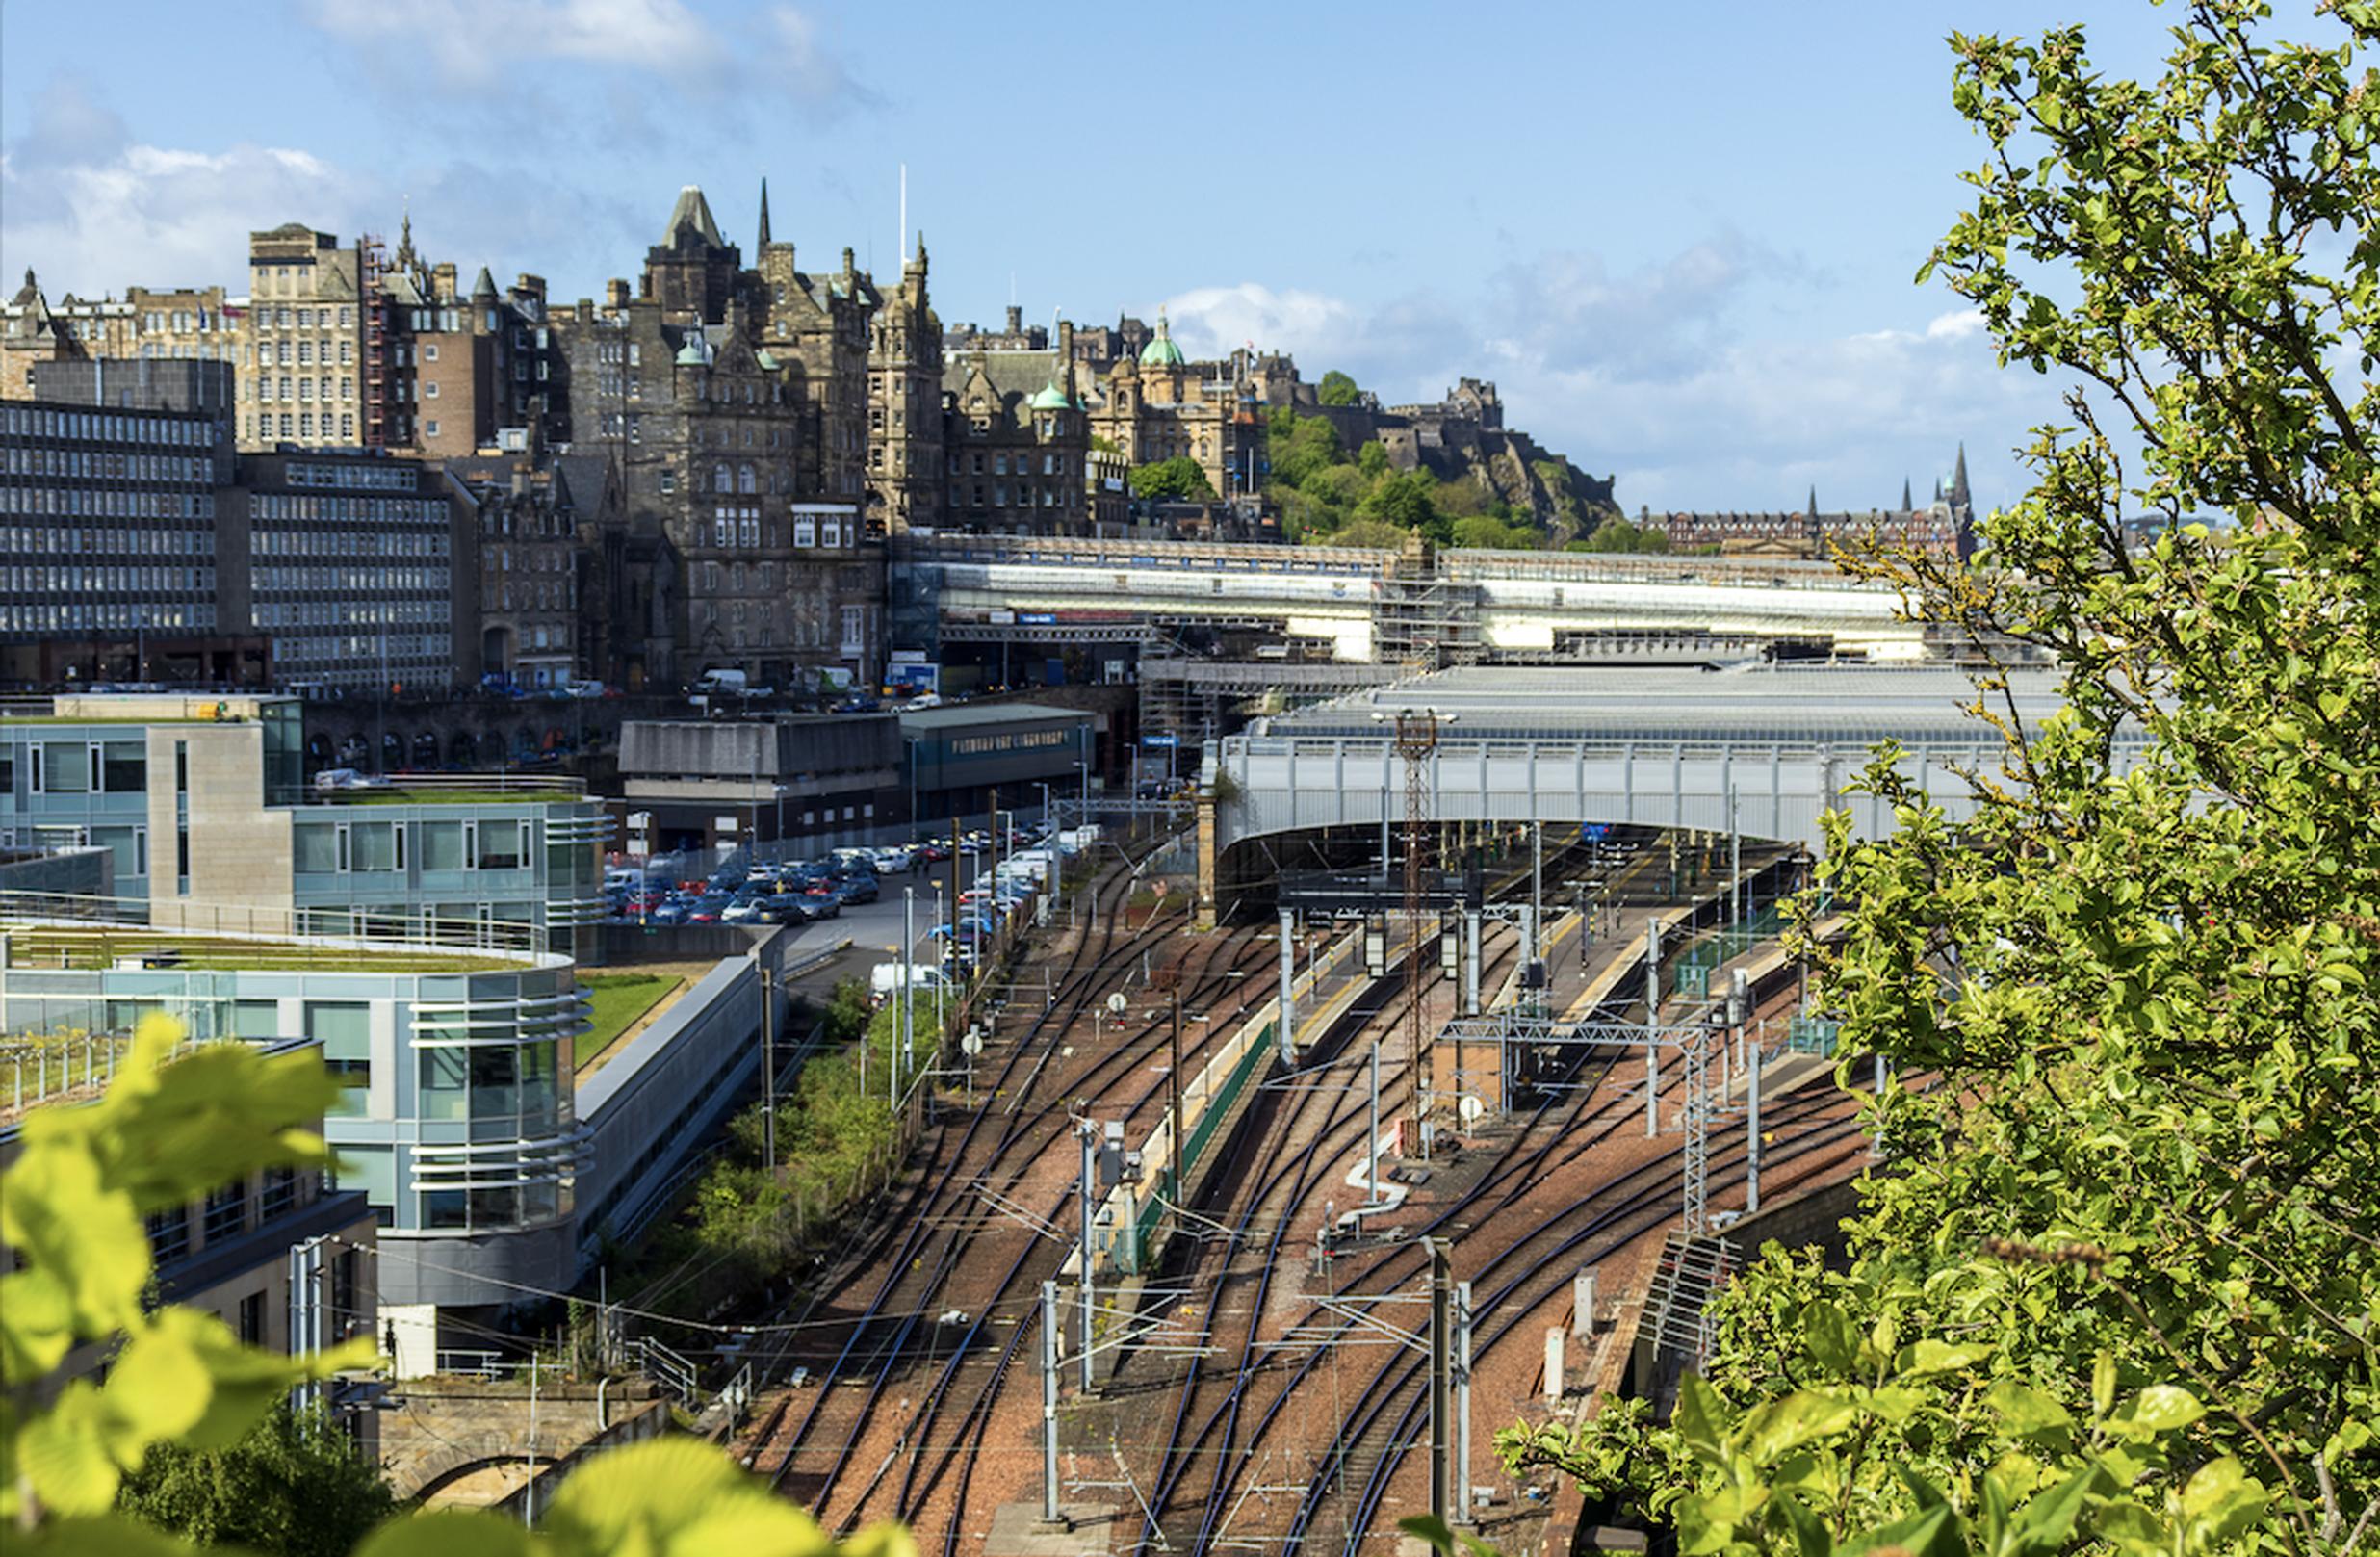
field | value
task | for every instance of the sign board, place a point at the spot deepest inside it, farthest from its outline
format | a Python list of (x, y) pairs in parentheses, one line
[(971, 1044), (914, 677), (1001, 618), (1036, 618), (1162, 742), (1116, 1002), (1593, 832)]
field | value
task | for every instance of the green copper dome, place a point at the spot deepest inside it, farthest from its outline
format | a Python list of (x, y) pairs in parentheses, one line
[(1161, 353), (1051, 398)]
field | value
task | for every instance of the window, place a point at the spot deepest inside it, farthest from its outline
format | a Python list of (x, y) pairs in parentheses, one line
[(123, 766), (445, 1092), (503, 845), (744, 479), (430, 428), (376, 847), (721, 481), (314, 847), (252, 1319), (429, 353), (441, 846), (429, 391), (168, 1234), (65, 768), (344, 1028), (256, 1019), (227, 1212)]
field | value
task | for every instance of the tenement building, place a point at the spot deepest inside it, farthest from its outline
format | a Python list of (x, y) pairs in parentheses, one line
[(905, 407), (1159, 405), (534, 529), (735, 402), (1018, 442)]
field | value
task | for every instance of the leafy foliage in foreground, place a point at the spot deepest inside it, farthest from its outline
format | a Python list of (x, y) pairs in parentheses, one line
[(72, 1206), (296, 1486), (2122, 1292)]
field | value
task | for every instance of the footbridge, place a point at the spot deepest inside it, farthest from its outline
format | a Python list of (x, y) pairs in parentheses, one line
[(1358, 606), (1763, 751)]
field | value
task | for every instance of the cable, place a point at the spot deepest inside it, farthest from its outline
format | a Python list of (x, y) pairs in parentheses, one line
[(1024, 1307)]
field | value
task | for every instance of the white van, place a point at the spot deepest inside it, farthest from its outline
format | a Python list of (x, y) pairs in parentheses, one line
[(884, 981)]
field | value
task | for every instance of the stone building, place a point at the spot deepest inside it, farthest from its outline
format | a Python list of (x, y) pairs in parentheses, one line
[(317, 369), (1014, 336), (905, 423), (734, 403), (1944, 528), (535, 528), (34, 331), (1018, 442), (1159, 405)]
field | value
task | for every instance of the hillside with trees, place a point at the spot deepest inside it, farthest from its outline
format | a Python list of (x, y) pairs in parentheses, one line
[(1330, 495)]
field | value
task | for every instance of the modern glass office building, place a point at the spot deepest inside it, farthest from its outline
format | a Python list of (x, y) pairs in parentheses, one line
[(454, 1116), (206, 806)]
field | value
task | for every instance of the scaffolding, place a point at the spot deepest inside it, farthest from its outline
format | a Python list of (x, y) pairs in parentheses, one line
[(372, 311), (1429, 619)]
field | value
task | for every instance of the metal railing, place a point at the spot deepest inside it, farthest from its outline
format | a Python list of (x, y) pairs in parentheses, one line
[(160, 926), (444, 788)]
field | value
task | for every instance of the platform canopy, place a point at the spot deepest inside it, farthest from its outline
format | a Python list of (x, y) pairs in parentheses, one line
[(1763, 749)]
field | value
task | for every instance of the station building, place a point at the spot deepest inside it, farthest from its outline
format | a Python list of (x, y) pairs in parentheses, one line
[(954, 757), (824, 780)]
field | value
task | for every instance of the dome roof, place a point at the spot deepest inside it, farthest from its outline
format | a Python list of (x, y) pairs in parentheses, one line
[(1161, 353), (1051, 398)]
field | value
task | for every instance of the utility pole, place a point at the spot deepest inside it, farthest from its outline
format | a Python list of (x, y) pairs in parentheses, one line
[(1416, 737), (1049, 1402), (1442, 1379), (768, 1067), (1461, 1364), (909, 999), (1172, 1078), (1089, 1132), (1652, 1020)]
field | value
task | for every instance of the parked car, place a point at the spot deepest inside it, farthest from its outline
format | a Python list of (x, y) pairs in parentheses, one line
[(860, 887)]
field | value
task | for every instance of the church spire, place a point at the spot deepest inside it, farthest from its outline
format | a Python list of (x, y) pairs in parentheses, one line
[(1959, 495), (1813, 502), (405, 238), (763, 211), (1905, 504)]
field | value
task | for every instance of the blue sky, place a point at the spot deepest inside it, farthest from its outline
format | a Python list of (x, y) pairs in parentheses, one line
[(1680, 238)]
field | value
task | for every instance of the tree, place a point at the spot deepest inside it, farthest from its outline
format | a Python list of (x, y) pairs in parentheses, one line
[(1337, 389), (1180, 478), (1372, 459), (1481, 529), (2121, 1291), (1304, 448), (1405, 501), (295, 1486)]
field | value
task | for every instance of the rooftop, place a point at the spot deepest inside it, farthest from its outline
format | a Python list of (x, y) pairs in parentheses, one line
[(1847, 704), (968, 715), (90, 947)]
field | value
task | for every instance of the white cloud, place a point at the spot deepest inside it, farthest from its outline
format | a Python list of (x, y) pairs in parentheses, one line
[(1955, 324), (462, 48), (1650, 375), (93, 211), (472, 44)]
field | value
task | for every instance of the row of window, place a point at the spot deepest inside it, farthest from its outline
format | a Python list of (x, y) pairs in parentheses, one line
[(298, 614), (103, 464), (354, 475), (324, 848), (30, 540), (185, 321), (56, 617), (272, 540), (76, 766), (303, 319), (301, 425), (355, 654), (261, 387), (1050, 497), (113, 427), (105, 503), (81, 578)]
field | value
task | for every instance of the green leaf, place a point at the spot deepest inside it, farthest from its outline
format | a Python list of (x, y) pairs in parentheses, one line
[(1811, 1537), (2025, 1411), (2158, 1408), (446, 1533), (1932, 1532), (1702, 1419), (2103, 1383), (2044, 1524), (1931, 1356), (1834, 1344), (65, 1452)]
